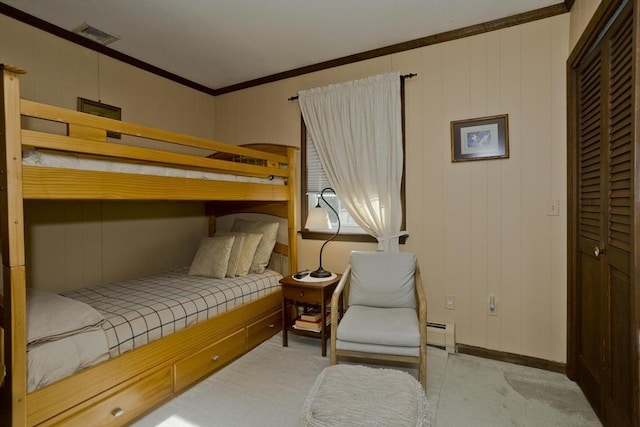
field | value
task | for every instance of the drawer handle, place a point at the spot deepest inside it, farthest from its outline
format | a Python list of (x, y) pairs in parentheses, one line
[(117, 412), (215, 358), (272, 325), (301, 293)]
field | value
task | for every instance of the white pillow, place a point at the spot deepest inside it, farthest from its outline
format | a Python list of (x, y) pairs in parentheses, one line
[(236, 252), (51, 316), (251, 242), (269, 231), (212, 257)]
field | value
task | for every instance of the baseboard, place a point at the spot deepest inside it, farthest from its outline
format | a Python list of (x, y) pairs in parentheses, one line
[(517, 359)]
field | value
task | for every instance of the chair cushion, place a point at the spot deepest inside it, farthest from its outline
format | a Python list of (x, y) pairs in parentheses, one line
[(377, 349), (390, 327), (383, 279)]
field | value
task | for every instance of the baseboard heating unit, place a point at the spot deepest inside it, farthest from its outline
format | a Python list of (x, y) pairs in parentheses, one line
[(442, 335)]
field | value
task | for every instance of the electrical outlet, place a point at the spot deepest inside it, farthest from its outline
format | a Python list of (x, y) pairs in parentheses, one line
[(450, 302), (492, 305)]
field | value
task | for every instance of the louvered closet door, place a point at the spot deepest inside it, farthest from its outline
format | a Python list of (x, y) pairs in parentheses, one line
[(618, 390), (590, 272), (605, 172)]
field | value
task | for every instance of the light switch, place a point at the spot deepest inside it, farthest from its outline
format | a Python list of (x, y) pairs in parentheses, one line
[(554, 208)]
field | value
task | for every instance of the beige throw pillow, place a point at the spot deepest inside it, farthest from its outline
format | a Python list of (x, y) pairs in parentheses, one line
[(251, 242), (212, 257), (236, 252), (269, 231)]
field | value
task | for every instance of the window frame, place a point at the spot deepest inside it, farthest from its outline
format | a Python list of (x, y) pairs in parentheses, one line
[(342, 236)]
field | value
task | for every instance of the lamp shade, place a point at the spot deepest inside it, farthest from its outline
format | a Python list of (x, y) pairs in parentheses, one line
[(318, 219)]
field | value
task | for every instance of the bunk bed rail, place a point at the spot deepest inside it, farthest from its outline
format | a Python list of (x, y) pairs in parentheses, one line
[(91, 127), (87, 138)]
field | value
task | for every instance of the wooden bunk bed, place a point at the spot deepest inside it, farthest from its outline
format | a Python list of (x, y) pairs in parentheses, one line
[(121, 389)]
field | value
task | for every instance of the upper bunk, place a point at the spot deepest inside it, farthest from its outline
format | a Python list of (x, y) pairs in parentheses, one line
[(99, 168)]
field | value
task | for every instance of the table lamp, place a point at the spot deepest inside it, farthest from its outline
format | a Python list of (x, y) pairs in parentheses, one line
[(318, 219)]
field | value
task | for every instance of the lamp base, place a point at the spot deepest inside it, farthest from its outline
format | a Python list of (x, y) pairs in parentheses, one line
[(320, 272)]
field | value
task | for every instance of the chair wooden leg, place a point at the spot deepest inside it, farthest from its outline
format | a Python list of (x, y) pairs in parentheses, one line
[(422, 370)]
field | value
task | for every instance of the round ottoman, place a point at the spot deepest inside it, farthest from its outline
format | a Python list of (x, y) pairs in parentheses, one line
[(354, 395)]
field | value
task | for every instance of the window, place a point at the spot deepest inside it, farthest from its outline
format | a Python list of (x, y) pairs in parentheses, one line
[(314, 180)]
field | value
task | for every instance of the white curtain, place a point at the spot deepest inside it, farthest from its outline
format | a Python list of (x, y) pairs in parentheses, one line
[(357, 132)]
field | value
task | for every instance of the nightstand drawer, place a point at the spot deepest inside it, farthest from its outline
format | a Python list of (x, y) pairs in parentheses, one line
[(209, 359), (302, 294)]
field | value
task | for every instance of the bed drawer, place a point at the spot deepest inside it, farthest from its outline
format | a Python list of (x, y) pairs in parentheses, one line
[(207, 360), (264, 329), (128, 403)]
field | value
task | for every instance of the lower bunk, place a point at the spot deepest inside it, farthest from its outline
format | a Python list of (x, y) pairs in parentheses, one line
[(160, 335), (121, 389)]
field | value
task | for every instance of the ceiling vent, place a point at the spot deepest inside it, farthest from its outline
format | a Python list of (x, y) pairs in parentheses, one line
[(98, 36)]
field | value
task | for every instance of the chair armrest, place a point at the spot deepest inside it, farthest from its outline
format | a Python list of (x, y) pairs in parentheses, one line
[(421, 300), (335, 297), (335, 309)]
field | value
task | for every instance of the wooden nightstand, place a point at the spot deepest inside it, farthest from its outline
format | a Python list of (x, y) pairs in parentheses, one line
[(317, 293)]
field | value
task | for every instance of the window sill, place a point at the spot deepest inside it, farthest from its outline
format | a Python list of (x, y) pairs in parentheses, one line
[(344, 237)]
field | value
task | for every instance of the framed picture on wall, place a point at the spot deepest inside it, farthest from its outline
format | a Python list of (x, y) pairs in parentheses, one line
[(103, 110), (483, 138)]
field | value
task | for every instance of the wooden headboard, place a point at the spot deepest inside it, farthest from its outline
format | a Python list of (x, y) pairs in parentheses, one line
[(280, 259)]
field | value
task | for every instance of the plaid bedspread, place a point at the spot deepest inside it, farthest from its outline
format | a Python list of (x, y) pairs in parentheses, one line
[(142, 310)]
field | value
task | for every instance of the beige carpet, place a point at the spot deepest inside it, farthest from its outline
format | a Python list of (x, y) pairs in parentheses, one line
[(266, 387), (485, 393)]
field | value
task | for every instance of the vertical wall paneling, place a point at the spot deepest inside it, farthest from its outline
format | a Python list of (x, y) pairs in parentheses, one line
[(163, 246), (512, 194), (536, 175), (478, 99), (457, 177), (436, 148), (494, 194), (558, 190)]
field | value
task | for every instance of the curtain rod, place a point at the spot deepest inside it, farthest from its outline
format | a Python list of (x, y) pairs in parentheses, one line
[(402, 77)]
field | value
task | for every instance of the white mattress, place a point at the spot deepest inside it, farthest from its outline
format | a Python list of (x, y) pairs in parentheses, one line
[(40, 158)]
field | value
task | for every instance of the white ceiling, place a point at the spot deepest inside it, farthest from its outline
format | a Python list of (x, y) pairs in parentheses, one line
[(218, 43)]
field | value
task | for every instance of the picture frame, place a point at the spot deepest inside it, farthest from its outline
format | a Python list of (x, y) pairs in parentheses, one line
[(482, 138), (103, 110)]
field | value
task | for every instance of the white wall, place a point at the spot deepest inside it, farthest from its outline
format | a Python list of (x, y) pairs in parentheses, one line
[(478, 228)]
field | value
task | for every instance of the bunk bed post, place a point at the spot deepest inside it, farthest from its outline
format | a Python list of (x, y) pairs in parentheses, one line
[(291, 211), (14, 392)]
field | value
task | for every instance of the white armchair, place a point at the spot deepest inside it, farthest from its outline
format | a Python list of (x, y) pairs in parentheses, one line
[(384, 311)]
